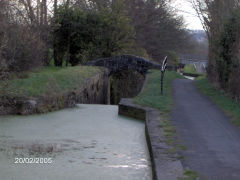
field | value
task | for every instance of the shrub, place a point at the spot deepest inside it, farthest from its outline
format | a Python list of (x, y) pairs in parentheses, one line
[(229, 49), (85, 35), (228, 62), (24, 49)]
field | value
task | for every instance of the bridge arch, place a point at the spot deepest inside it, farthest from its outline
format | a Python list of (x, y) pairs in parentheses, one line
[(125, 62), (126, 75)]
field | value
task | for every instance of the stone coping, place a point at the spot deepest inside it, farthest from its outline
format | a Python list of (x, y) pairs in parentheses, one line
[(165, 166)]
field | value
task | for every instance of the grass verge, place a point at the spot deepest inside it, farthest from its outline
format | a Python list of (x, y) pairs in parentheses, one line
[(228, 105), (151, 97), (49, 80)]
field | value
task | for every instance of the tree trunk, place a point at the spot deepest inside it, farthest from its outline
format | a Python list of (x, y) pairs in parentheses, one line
[(44, 11), (55, 6), (68, 40), (31, 13), (41, 13), (38, 11), (56, 57), (67, 2)]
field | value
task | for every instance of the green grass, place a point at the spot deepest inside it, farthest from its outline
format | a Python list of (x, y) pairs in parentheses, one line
[(47, 81), (190, 69), (228, 105), (151, 97), (190, 175)]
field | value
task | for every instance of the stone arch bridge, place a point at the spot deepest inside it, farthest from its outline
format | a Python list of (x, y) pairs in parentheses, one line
[(123, 62)]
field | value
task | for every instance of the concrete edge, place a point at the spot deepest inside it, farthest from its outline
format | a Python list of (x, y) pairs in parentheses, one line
[(165, 166)]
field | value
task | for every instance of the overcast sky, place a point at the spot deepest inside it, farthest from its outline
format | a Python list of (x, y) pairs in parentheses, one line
[(185, 9)]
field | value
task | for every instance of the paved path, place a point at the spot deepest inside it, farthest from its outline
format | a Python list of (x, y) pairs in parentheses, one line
[(213, 143)]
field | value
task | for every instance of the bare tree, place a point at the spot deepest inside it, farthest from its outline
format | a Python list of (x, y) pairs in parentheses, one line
[(23, 44), (158, 28), (213, 14)]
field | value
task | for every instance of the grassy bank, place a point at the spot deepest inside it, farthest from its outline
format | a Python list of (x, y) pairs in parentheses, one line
[(49, 80), (151, 97), (189, 69), (228, 105)]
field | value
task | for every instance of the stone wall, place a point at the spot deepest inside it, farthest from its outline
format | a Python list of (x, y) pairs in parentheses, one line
[(125, 84), (93, 91)]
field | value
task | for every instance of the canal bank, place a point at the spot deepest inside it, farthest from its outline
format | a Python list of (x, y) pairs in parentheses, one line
[(81, 143), (164, 165), (52, 89), (154, 108)]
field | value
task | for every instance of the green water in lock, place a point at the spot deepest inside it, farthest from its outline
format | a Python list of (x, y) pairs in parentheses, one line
[(89, 142)]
